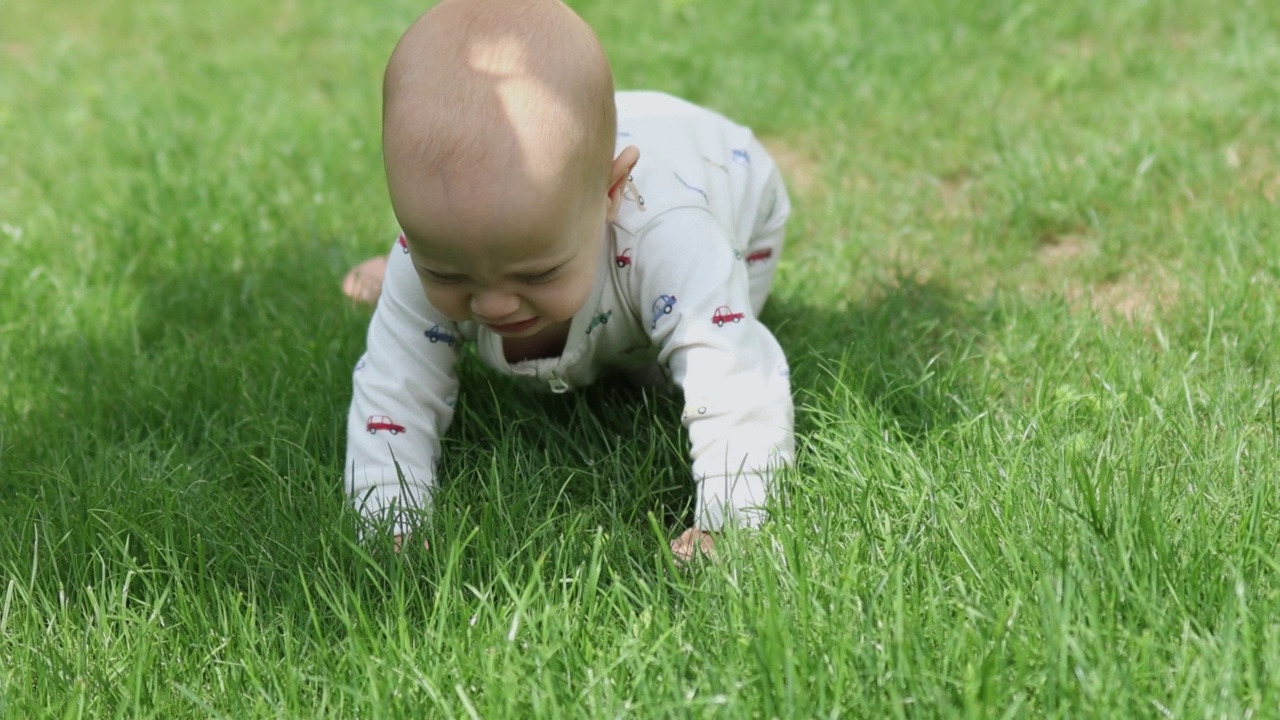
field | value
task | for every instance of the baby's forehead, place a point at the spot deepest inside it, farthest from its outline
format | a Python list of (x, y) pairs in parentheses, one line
[(474, 183), (454, 208)]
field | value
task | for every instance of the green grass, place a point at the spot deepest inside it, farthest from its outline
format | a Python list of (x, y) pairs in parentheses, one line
[(1030, 295)]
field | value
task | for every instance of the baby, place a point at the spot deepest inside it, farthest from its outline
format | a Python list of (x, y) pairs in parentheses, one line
[(567, 232)]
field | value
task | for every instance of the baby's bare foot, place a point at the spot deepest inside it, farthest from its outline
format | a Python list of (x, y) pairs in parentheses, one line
[(693, 543), (400, 540), (364, 283)]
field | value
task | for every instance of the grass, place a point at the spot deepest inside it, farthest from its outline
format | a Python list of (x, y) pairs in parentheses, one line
[(1030, 296)]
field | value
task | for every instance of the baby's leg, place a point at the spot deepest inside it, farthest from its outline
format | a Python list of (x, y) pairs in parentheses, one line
[(768, 232), (364, 282)]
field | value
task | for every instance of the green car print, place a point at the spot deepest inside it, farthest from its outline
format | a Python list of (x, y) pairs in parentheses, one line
[(599, 319)]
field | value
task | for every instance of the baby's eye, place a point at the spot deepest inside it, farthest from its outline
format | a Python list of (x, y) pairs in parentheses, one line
[(541, 278), (443, 278)]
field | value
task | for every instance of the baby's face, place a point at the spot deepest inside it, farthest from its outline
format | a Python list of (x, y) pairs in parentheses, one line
[(517, 265)]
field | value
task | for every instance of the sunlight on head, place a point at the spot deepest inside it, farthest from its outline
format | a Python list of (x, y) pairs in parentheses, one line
[(541, 123)]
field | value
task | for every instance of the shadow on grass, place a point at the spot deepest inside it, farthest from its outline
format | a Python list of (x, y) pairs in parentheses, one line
[(213, 436), (208, 429), (901, 353)]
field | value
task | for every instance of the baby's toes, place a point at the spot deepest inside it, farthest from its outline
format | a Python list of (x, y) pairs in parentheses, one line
[(691, 544), (364, 282)]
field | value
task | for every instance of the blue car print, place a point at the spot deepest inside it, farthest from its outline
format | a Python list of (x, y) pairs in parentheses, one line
[(662, 306), (741, 157), (435, 335), (694, 188)]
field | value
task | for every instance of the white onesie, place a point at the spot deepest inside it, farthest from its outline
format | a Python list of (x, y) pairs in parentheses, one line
[(687, 266)]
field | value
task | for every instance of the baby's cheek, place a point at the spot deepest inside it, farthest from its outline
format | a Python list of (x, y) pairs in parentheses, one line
[(585, 286), (570, 300), (452, 305)]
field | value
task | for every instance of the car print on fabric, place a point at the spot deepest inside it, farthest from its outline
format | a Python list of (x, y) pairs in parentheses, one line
[(623, 259), (694, 188), (723, 315), (403, 243), (435, 335), (715, 164), (759, 256), (741, 157), (601, 318), (662, 306), (382, 422)]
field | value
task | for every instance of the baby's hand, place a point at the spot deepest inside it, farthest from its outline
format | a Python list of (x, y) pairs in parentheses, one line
[(399, 540), (693, 543)]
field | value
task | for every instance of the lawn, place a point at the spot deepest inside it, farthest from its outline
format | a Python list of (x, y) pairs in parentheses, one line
[(1030, 297)]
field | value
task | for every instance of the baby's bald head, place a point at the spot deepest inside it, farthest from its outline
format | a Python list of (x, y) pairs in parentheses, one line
[(489, 101)]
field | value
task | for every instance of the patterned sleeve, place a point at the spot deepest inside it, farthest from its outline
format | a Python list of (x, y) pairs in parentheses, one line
[(690, 286), (404, 390)]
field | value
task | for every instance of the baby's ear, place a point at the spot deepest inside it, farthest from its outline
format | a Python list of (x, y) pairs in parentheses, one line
[(619, 173)]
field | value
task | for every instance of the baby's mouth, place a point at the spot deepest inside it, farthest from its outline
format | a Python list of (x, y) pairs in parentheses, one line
[(514, 327)]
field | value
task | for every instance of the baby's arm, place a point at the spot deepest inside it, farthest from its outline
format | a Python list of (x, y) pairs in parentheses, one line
[(404, 388), (738, 405)]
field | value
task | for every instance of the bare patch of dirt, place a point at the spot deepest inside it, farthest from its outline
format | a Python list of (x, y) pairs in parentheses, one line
[(801, 170), (1257, 167), (1135, 297), (1271, 189), (1131, 299), (1081, 48), (1057, 251), (954, 195), (17, 51)]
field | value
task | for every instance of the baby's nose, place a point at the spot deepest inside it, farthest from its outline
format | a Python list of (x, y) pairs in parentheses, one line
[(494, 305)]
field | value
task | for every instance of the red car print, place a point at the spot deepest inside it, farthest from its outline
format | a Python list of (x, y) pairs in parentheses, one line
[(382, 422), (759, 255), (403, 243), (723, 315), (435, 335), (624, 259)]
